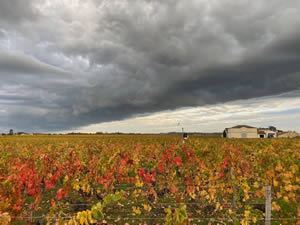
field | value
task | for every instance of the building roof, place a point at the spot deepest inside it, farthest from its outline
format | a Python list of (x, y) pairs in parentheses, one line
[(261, 128), (240, 126), (266, 129), (288, 132)]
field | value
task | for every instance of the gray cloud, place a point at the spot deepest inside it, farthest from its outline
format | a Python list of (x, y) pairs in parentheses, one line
[(15, 11), (130, 57), (19, 63), (2, 34), (263, 111)]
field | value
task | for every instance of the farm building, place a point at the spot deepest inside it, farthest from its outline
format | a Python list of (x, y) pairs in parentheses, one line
[(240, 131), (245, 131), (288, 134), (267, 133)]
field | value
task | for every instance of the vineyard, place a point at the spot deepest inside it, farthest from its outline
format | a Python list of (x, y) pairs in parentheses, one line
[(147, 179)]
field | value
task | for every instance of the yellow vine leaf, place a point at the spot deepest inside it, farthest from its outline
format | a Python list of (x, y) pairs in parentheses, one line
[(275, 206), (278, 168), (247, 213), (147, 207), (288, 187), (192, 195), (76, 187), (136, 210), (5, 218), (244, 222)]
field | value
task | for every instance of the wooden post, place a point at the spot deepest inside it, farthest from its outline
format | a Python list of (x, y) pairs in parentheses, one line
[(182, 135), (268, 205), (233, 188)]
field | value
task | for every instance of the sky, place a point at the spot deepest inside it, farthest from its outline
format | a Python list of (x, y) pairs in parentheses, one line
[(149, 66)]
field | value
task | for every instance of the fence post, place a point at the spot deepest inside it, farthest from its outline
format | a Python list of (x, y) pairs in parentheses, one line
[(233, 188), (268, 205)]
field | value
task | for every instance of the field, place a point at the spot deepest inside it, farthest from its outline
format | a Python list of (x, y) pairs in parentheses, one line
[(147, 179)]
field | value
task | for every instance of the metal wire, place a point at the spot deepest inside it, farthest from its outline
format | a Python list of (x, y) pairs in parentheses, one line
[(151, 218), (157, 203)]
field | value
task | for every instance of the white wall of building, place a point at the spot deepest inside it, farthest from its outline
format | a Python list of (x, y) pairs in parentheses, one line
[(242, 132)]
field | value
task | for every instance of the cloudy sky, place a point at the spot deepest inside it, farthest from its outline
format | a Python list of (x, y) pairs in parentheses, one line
[(147, 65)]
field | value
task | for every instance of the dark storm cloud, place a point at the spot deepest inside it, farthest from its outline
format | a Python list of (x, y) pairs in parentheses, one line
[(274, 70), (129, 57)]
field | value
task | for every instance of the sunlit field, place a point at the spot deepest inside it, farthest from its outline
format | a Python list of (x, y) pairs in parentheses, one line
[(147, 179)]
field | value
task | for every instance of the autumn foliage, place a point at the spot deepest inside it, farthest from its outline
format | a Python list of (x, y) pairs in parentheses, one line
[(116, 179)]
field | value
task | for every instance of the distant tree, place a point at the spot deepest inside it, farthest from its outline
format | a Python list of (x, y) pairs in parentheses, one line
[(272, 128), (11, 132)]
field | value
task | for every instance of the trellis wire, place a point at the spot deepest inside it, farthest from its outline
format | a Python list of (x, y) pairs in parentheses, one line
[(158, 203), (267, 204), (149, 218)]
